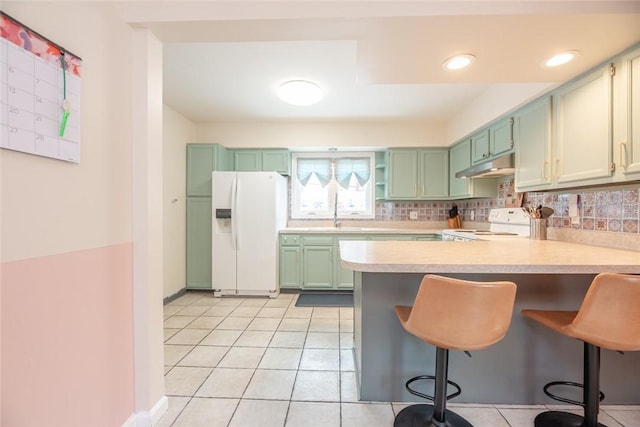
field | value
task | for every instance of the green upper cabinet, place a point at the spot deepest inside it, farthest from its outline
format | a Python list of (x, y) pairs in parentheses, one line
[(583, 128), (501, 137), (417, 174), (480, 149), (247, 160), (533, 140), (462, 188), (278, 160), (627, 115), (459, 159), (493, 141), (434, 174), (402, 174), (202, 159)]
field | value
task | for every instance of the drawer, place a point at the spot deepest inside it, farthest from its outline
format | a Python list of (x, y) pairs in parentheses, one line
[(315, 240), (289, 240)]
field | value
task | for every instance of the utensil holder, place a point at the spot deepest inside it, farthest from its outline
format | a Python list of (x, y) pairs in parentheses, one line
[(538, 229)]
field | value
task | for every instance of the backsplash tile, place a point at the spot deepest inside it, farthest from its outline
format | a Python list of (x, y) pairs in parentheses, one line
[(614, 210)]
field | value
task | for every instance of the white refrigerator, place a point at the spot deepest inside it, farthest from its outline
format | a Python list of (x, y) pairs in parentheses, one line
[(249, 208)]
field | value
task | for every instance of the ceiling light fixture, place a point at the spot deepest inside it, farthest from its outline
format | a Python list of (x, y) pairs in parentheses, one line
[(458, 62), (300, 92), (561, 58)]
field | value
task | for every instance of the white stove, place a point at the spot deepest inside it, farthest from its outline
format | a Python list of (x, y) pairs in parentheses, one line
[(503, 223)]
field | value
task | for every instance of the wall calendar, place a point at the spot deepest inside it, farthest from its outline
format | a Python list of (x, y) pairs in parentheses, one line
[(39, 94)]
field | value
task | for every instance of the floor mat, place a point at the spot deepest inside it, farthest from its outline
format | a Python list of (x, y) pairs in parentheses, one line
[(341, 299)]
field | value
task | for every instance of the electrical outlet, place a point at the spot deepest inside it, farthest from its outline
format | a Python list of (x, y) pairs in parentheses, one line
[(413, 215)]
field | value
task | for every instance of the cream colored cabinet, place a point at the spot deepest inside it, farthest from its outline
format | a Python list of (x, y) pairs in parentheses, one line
[(583, 129), (627, 115), (532, 134)]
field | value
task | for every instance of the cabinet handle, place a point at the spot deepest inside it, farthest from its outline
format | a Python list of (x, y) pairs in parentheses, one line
[(557, 168), (623, 155), (544, 170)]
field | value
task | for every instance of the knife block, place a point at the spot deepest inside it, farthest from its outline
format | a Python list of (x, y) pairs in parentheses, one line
[(455, 222)]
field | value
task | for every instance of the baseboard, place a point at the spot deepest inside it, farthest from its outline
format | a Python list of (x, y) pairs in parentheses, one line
[(174, 296), (148, 418)]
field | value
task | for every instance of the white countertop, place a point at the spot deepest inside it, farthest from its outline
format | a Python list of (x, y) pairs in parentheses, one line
[(519, 255), (358, 230)]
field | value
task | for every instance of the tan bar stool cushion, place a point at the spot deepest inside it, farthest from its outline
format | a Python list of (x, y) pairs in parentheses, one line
[(608, 318), (452, 314), (459, 314)]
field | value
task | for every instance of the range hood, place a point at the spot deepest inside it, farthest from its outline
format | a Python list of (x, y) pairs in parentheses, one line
[(500, 166)]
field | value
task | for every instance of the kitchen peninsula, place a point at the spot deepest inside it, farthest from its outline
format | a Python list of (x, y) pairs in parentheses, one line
[(549, 275)]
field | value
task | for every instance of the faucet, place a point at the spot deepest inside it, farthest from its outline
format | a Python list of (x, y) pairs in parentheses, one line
[(336, 223)]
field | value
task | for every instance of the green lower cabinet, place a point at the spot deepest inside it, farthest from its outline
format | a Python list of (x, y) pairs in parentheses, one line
[(344, 276), (312, 261), (317, 267), (290, 267), (198, 242), (403, 237), (429, 237)]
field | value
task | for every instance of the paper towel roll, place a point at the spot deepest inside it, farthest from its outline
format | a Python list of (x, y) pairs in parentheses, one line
[(574, 211)]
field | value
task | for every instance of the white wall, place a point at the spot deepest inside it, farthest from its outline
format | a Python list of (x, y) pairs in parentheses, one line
[(322, 134), (54, 206), (177, 131)]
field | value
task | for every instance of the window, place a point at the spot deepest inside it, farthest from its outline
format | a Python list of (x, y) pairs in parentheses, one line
[(321, 182)]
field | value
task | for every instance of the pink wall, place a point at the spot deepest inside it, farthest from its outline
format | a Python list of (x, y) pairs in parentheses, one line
[(67, 339)]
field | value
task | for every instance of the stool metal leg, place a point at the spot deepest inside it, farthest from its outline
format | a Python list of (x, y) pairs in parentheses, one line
[(591, 397), (440, 393), (437, 415)]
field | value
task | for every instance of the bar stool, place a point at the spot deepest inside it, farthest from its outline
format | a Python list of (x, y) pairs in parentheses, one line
[(452, 314), (608, 318)]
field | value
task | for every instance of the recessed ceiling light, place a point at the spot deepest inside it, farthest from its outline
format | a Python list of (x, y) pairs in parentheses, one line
[(561, 58), (300, 92), (459, 61)]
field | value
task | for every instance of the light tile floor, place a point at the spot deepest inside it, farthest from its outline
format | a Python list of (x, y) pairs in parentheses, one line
[(257, 362)]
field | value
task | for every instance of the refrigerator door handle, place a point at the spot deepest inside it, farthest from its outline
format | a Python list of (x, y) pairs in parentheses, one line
[(234, 214)]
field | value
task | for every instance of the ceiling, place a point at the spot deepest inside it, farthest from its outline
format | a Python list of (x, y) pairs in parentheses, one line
[(383, 67)]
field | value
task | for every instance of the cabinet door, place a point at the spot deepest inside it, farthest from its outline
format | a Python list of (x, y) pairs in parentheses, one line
[(402, 174), (533, 140), (290, 271), (459, 159), (434, 174), (480, 149), (247, 161), (318, 267), (201, 160), (198, 262), (345, 275), (628, 121), (582, 112), (501, 136), (277, 160)]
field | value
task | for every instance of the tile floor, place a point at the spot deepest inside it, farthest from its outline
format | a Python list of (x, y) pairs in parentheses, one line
[(257, 362)]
